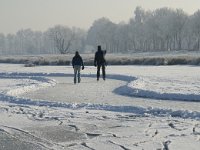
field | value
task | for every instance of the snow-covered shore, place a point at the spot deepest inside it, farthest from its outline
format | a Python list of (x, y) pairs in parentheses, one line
[(137, 107)]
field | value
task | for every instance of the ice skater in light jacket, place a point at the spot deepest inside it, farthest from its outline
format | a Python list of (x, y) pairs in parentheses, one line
[(77, 63)]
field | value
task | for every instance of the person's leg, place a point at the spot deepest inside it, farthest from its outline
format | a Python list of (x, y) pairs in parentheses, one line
[(79, 73), (98, 72), (75, 74), (104, 72)]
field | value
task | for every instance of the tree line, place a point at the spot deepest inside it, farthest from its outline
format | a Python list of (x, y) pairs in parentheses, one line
[(163, 29)]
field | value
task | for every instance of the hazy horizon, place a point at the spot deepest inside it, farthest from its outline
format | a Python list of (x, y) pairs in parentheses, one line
[(40, 15)]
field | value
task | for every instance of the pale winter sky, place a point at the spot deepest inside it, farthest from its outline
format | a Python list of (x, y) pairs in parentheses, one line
[(42, 14)]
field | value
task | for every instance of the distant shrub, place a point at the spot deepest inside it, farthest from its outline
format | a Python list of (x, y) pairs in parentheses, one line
[(137, 61), (29, 65), (89, 62), (195, 61), (23, 61), (154, 61), (11, 60), (43, 62), (112, 59), (62, 62), (149, 61), (177, 61), (36, 62), (160, 61)]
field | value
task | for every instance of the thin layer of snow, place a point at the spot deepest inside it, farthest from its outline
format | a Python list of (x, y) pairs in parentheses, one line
[(163, 88), (137, 107), (144, 86)]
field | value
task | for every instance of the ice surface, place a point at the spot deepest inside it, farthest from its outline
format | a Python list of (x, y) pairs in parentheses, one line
[(137, 107)]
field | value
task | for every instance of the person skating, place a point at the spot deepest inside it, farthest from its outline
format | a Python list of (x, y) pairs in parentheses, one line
[(77, 63), (100, 62)]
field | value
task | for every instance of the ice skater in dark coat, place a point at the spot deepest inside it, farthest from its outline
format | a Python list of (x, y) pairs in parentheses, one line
[(100, 62), (77, 62)]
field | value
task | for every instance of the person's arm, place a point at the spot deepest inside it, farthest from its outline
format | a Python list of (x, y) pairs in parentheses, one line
[(104, 57), (73, 62), (82, 63)]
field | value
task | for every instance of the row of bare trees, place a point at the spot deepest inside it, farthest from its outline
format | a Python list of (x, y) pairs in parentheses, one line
[(59, 39), (163, 29), (160, 30)]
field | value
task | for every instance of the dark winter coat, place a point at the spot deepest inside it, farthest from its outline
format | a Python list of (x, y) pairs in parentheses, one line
[(77, 61), (99, 58)]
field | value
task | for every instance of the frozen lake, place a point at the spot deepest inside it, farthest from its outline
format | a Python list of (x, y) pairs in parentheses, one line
[(163, 98)]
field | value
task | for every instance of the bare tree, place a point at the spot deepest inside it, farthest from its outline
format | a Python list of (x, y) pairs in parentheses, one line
[(2, 43), (63, 37), (196, 29)]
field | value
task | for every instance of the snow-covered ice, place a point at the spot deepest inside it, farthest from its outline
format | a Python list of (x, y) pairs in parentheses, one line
[(137, 107)]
